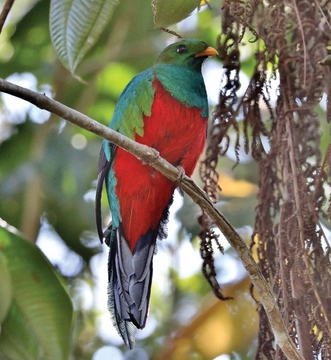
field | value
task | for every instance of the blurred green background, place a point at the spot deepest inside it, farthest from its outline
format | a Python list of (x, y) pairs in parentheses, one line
[(48, 170)]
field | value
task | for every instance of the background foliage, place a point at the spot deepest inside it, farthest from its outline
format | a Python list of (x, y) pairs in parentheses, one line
[(48, 170), (47, 179)]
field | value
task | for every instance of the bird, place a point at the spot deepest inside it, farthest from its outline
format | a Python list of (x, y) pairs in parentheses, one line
[(164, 107)]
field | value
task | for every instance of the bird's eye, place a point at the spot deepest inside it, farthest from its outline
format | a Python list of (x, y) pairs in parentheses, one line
[(182, 49)]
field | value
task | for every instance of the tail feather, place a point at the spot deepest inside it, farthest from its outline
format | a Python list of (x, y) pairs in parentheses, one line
[(126, 329), (103, 169), (130, 278)]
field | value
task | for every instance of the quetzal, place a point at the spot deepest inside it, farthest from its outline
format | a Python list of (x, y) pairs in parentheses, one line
[(164, 107)]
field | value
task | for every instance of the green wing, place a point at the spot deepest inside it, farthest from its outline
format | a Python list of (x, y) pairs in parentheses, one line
[(135, 102)]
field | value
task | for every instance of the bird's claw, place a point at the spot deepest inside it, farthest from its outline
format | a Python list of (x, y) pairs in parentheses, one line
[(156, 155), (181, 174), (153, 157)]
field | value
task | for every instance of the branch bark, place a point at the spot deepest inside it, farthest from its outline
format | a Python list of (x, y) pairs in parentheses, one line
[(151, 157), (5, 11)]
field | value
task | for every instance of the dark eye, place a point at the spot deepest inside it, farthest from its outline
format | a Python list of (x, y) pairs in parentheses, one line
[(182, 49)]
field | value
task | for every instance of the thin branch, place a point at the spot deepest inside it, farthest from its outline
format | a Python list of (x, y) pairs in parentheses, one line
[(305, 57), (301, 224), (322, 12), (152, 157), (4, 13)]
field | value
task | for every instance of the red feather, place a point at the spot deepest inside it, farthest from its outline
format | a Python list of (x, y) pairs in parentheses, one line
[(179, 134)]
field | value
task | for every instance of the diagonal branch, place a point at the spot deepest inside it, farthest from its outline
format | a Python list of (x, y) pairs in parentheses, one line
[(5, 11), (152, 158)]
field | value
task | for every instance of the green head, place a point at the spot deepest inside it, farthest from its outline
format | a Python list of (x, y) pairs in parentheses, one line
[(188, 53)]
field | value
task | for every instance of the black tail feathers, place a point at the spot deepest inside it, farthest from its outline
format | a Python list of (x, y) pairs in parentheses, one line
[(130, 278)]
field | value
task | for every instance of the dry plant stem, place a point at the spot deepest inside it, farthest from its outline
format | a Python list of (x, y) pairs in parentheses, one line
[(302, 324), (301, 221), (303, 42), (322, 12), (281, 262), (152, 157), (4, 13)]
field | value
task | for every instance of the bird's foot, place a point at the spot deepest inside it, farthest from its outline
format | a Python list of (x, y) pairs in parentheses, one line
[(153, 157), (180, 175)]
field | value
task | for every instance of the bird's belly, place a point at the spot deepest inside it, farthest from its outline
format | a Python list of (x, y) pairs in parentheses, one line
[(179, 134), (176, 131)]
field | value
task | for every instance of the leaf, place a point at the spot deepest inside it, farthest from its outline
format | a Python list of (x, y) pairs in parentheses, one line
[(6, 291), (38, 324), (75, 26), (218, 327), (168, 12)]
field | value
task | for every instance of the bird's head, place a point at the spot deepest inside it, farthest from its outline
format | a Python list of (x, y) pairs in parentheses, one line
[(189, 53)]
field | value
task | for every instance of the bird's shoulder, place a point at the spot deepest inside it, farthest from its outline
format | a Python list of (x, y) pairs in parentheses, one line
[(135, 101)]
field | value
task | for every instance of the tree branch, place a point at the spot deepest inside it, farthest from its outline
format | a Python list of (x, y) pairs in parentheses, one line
[(151, 157), (4, 13)]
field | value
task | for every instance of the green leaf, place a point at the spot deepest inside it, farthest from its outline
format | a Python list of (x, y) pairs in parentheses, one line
[(6, 291), (168, 12), (75, 26), (38, 323)]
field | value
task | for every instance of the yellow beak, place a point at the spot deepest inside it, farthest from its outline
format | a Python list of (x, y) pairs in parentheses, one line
[(210, 51)]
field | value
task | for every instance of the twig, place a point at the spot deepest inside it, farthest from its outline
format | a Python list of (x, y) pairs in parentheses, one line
[(301, 224), (5, 11), (303, 42), (152, 157), (322, 12)]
